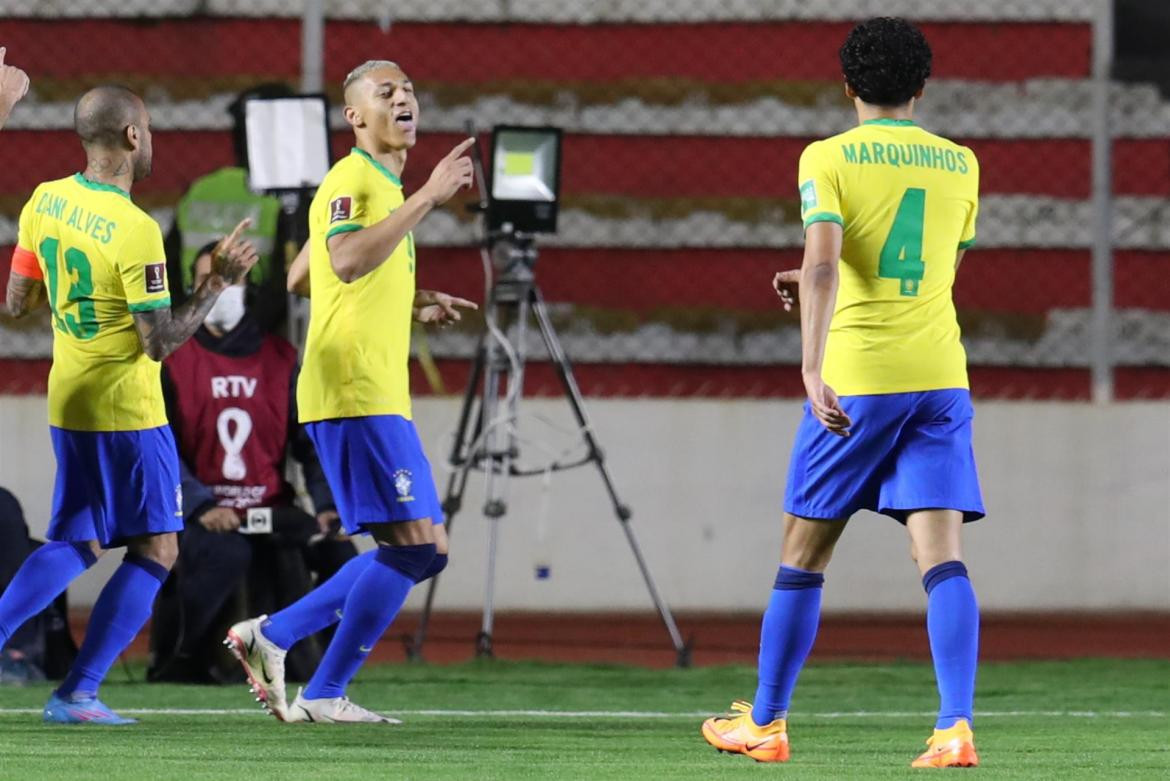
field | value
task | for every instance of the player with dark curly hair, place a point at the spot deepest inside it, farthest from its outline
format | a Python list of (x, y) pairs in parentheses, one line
[(886, 62), (888, 211)]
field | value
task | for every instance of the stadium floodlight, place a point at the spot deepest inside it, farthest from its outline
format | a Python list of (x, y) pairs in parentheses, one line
[(526, 179), (288, 142)]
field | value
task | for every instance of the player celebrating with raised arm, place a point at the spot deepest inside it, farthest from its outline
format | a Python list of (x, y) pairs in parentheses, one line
[(13, 86), (353, 395), (888, 211), (99, 261)]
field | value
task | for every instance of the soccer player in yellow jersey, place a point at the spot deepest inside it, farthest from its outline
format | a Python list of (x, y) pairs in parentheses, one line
[(98, 260), (888, 210), (353, 395)]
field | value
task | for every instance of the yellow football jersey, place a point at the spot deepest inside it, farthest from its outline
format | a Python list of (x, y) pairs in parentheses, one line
[(906, 200), (358, 345), (102, 259)]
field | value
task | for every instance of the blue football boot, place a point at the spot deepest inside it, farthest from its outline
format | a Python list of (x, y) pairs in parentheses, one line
[(83, 710)]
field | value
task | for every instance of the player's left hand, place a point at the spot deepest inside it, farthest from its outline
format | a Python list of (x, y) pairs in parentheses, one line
[(442, 309), (787, 286)]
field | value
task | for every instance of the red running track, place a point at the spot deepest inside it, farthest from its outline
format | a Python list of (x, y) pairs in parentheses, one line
[(640, 639)]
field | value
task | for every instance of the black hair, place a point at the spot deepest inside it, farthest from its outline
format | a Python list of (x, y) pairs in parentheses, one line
[(103, 113), (886, 61), (206, 249)]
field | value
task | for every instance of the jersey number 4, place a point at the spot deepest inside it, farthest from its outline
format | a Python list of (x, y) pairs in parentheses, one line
[(85, 324), (901, 256)]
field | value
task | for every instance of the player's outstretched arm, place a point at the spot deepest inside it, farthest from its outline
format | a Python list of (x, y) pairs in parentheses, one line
[(356, 253), (818, 297), (24, 294), (13, 86), (162, 331)]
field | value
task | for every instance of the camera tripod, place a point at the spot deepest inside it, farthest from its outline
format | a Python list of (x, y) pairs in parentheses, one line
[(485, 439)]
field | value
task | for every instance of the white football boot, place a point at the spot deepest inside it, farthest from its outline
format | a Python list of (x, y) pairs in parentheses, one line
[(334, 710), (263, 663)]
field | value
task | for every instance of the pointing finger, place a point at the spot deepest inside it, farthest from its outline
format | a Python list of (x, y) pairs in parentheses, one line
[(460, 148), (463, 302), (3, 51), (235, 234)]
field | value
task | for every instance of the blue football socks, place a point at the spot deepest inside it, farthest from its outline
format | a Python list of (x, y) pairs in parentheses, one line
[(786, 637), (323, 606), (320, 608), (372, 603), (41, 578), (952, 621), (119, 613)]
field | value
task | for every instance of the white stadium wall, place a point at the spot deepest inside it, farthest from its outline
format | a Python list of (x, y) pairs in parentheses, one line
[(1078, 499)]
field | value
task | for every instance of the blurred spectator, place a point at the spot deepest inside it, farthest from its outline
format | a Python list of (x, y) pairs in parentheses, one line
[(216, 202), (231, 399), (43, 646)]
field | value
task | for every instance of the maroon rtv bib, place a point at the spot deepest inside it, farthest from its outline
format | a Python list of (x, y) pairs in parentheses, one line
[(233, 420)]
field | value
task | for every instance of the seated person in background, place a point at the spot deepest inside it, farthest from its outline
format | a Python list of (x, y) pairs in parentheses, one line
[(41, 647), (231, 400)]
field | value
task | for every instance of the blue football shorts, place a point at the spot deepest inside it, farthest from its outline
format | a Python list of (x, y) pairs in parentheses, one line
[(906, 452), (376, 469), (112, 485)]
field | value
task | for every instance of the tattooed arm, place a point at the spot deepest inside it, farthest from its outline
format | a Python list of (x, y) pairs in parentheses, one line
[(24, 294), (162, 331)]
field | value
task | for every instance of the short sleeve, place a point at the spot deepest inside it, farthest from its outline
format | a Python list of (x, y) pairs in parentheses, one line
[(24, 230), (24, 259), (820, 197), (348, 205), (967, 239), (142, 266)]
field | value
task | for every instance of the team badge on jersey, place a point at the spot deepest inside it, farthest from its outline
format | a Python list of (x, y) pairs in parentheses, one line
[(403, 481), (156, 277), (340, 209)]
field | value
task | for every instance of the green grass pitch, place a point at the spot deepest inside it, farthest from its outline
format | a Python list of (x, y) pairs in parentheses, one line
[(508, 720)]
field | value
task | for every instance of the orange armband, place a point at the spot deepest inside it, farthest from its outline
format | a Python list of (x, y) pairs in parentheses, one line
[(25, 263)]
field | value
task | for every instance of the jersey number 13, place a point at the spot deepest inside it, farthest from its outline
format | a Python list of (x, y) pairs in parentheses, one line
[(84, 325)]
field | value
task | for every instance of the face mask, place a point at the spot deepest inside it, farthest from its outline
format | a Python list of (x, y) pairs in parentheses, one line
[(227, 311)]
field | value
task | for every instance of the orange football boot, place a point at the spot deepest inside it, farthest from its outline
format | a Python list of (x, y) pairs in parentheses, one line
[(951, 747), (736, 733)]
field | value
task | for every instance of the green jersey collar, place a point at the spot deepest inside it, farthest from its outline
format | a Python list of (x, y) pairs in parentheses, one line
[(101, 186), (385, 171), (890, 122)]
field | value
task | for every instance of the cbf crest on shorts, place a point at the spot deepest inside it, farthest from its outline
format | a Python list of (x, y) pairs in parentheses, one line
[(340, 209), (403, 480)]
